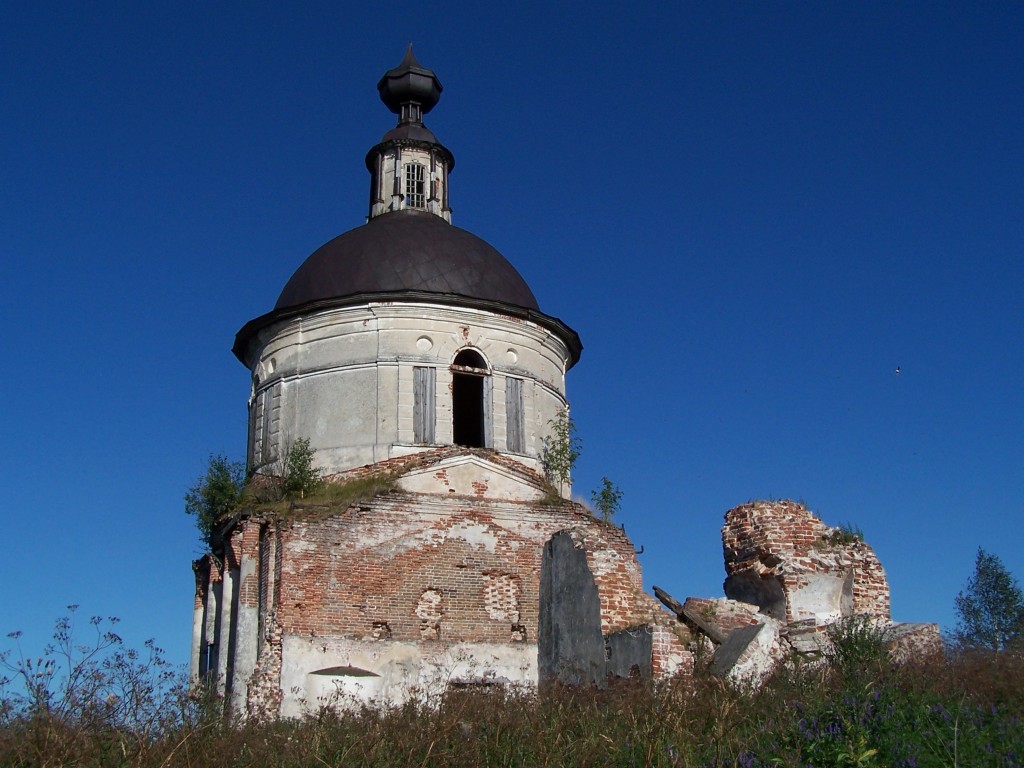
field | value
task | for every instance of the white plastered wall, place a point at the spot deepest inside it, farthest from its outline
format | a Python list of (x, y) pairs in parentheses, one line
[(392, 672), (345, 378)]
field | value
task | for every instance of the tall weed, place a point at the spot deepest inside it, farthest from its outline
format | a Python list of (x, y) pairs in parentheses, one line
[(131, 710)]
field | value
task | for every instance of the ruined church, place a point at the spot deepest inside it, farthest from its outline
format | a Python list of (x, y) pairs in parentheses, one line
[(415, 360), (410, 349)]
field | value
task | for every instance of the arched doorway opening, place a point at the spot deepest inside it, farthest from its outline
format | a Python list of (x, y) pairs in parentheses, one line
[(470, 390)]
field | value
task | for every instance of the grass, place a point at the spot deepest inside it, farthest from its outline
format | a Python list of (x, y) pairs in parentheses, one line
[(845, 533), (329, 496), (965, 711)]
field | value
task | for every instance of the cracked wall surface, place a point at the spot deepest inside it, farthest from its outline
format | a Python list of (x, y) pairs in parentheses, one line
[(781, 557), (393, 596)]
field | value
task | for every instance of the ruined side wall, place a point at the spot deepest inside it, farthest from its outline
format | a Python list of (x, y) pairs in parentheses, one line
[(670, 652), (433, 569), (410, 588), (777, 555), (264, 694), (571, 648)]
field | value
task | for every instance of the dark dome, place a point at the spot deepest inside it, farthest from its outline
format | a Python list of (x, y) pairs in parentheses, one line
[(407, 251)]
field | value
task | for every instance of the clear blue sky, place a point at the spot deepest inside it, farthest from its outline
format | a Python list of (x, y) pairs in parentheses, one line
[(751, 212)]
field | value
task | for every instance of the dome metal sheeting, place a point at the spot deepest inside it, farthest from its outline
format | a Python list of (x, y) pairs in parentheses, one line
[(407, 251), (409, 256)]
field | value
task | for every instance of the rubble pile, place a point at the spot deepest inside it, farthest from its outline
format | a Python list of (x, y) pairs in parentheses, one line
[(788, 577)]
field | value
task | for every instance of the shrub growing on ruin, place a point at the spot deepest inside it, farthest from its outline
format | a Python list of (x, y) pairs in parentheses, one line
[(300, 477), (857, 647), (216, 494), (607, 500), (843, 534), (561, 449)]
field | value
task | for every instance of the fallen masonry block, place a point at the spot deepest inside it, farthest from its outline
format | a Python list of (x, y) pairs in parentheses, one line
[(715, 617), (749, 654), (790, 579), (720, 617), (806, 637)]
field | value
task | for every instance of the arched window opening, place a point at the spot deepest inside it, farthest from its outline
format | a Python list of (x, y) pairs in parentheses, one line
[(470, 392), (470, 358)]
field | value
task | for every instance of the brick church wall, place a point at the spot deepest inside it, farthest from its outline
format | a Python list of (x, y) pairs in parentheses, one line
[(432, 571), (419, 569), (784, 542)]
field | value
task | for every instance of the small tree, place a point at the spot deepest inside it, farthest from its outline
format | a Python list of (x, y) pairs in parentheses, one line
[(301, 477), (561, 449), (990, 609), (607, 499), (215, 494)]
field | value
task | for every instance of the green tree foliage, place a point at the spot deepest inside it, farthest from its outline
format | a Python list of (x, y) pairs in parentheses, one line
[(301, 477), (561, 449), (215, 494), (607, 499), (990, 609)]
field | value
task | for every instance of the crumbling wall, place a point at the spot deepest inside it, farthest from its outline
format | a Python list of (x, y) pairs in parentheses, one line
[(671, 648), (264, 694), (572, 645), (785, 560), (405, 592), (789, 576), (435, 568)]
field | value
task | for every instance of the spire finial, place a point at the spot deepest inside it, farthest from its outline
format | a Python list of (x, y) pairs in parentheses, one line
[(410, 58), (410, 90)]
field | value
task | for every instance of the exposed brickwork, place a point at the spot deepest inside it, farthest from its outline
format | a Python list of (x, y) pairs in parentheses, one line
[(468, 569), (617, 576), (782, 540), (434, 570), (248, 547), (201, 570), (670, 652), (429, 610), (233, 550), (501, 596), (264, 689), (913, 642)]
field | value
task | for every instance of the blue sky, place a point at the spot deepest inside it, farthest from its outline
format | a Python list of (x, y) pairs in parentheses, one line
[(752, 213)]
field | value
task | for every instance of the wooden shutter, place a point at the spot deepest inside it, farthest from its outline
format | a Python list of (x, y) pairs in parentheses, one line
[(515, 440), (488, 418), (423, 381)]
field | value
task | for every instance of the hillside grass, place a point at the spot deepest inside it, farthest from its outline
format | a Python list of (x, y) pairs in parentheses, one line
[(964, 711)]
